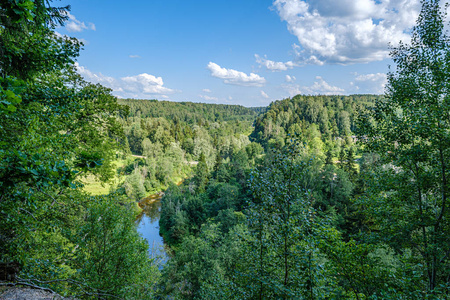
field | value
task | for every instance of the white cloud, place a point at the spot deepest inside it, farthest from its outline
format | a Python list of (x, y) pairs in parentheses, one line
[(319, 87), (206, 90), (139, 86), (74, 25), (371, 77), (274, 66), (347, 31), (208, 98), (95, 78), (264, 95), (134, 56), (231, 76), (323, 88), (292, 89), (65, 36), (289, 78), (145, 83), (370, 83)]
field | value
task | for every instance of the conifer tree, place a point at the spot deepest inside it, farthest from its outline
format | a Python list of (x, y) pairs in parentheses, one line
[(349, 164), (342, 156), (329, 158), (201, 173)]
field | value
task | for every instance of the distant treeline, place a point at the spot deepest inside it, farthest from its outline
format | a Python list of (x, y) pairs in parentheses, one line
[(190, 112)]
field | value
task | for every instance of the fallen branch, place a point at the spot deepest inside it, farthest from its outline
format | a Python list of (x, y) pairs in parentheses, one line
[(29, 285)]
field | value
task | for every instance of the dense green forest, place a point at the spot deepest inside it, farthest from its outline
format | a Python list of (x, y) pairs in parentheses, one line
[(218, 222), (313, 197), (331, 117), (189, 112), (175, 140)]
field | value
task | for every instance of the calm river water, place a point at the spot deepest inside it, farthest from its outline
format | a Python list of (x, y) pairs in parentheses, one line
[(148, 226)]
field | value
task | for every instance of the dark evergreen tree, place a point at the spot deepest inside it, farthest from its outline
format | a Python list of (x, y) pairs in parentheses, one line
[(201, 173), (329, 158), (349, 164), (342, 158)]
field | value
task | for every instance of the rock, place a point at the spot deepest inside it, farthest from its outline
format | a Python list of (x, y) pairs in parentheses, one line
[(25, 293)]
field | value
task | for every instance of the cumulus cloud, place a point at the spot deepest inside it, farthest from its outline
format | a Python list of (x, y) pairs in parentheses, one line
[(371, 77), (65, 36), (139, 86), (231, 76), (370, 83), (347, 31), (96, 77), (323, 88), (293, 89), (74, 25), (134, 56), (208, 98), (264, 95), (274, 66), (145, 83), (289, 78), (206, 90), (319, 87)]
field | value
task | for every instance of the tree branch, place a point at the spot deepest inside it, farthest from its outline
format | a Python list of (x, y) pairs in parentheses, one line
[(27, 284)]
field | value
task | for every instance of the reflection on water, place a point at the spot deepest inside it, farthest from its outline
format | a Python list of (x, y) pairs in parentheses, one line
[(148, 226), (151, 208)]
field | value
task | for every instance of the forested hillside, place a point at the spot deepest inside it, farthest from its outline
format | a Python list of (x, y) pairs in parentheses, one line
[(349, 201), (173, 137), (313, 197), (331, 116), (211, 220)]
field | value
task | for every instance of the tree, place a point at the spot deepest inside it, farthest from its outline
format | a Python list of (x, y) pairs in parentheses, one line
[(201, 173), (342, 156), (280, 260), (29, 46), (54, 129), (329, 158), (409, 129), (349, 164), (110, 247)]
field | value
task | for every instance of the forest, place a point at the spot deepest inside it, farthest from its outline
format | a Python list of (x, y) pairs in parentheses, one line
[(312, 197)]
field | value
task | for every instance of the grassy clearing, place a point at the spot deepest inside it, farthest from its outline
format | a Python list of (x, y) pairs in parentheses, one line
[(94, 186)]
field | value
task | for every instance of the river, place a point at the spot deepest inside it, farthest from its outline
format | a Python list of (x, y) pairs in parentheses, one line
[(148, 226)]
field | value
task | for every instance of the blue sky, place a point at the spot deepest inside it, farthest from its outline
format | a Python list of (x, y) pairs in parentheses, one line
[(247, 52)]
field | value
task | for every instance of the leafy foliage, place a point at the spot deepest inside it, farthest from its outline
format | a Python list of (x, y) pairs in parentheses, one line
[(326, 215), (332, 117), (55, 128), (409, 130), (188, 112)]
